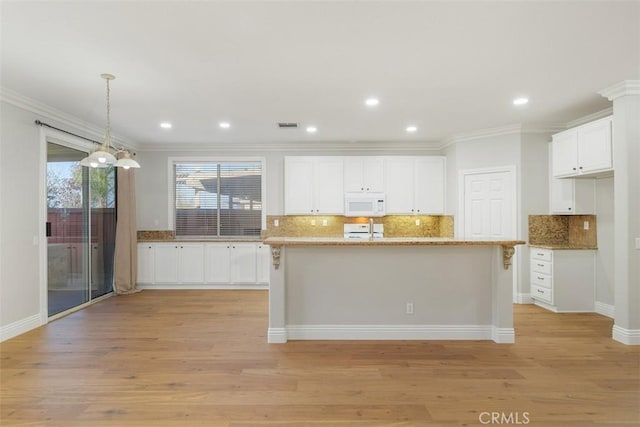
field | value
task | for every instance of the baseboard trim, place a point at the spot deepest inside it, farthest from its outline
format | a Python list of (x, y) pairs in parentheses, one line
[(608, 310), (20, 327), (174, 286), (399, 332), (626, 336), (277, 335), (522, 298)]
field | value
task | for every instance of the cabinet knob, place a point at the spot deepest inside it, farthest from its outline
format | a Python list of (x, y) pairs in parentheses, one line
[(149, 247), (573, 168), (580, 167), (362, 188), (569, 208), (412, 210), (367, 188)]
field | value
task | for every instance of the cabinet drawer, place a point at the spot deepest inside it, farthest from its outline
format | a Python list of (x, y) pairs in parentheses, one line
[(541, 279), (541, 254), (540, 266), (542, 294)]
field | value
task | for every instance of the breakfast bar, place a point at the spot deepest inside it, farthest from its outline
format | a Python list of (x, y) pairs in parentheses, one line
[(391, 289)]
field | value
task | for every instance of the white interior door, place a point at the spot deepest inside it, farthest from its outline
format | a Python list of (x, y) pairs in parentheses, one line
[(488, 205), (489, 208)]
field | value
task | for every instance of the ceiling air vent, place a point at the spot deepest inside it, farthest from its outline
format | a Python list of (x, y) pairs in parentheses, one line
[(285, 125)]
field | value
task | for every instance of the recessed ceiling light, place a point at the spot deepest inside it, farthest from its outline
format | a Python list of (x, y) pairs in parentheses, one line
[(372, 102), (224, 125), (520, 101), (311, 129), (411, 129), (166, 125)]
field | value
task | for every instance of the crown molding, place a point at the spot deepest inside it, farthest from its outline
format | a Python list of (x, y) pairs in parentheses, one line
[(591, 117), (359, 146), (501, 131), (47, 112), (626, 87)]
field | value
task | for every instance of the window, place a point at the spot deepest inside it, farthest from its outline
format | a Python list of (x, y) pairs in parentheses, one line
[(220, 199)]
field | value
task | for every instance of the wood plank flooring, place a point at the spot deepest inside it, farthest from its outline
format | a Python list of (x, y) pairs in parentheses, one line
[(200, 358)]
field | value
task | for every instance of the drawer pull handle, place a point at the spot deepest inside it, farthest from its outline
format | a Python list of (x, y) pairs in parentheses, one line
[(540, 278), (540, 265), (539, 291), (539, 254)]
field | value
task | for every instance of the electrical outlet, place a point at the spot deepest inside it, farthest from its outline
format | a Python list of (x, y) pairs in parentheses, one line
[(409, 309), (276, 223), (586, 225), (325, 222), (417, 222), (313, 222)]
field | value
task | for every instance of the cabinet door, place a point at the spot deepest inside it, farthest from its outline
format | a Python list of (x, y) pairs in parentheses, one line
[(191, 263), (166, 263), (263, 264), (561, 195), (217, 263), (399, 179), (243, 263), (145, 263), (298, 186), (594, 146), (354, 174), (429, 187), (373, 174), (329, 185), (564, 150)]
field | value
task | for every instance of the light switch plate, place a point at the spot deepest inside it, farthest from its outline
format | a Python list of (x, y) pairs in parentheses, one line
[(586, 225), (313, 222), (276, 223), (325, 222)]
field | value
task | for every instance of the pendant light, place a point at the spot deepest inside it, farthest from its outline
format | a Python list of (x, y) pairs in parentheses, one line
[(102, 157)]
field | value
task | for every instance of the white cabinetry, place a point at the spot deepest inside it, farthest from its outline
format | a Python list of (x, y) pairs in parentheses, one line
[(146, 262), (263, 263), (178, 263), (571, 196), (563, 280), (415, 185), (313, 185), (181, 265), (243, 263), (363, 174), (584, 150)]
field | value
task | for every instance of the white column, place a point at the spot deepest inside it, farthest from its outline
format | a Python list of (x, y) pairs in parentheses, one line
[(626, 189)]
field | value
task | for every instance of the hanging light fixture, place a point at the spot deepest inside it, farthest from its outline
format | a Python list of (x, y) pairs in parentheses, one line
[(102, 157)]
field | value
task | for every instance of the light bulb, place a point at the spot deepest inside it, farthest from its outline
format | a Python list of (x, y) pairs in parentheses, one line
[(102, 159), (126, 167), (93, 164)]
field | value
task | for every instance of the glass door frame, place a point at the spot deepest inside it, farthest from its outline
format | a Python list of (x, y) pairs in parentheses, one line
[(48, 135)]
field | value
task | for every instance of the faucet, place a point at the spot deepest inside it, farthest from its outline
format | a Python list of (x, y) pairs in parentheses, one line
[(371, 228)]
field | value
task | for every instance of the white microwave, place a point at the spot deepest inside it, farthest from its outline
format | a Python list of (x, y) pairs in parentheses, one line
[(364, 204)]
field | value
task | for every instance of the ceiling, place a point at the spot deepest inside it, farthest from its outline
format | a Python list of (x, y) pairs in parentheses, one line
[(448, 68)]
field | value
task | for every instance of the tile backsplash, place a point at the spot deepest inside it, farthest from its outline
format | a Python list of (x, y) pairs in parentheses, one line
[(394, 225), (563, 230)]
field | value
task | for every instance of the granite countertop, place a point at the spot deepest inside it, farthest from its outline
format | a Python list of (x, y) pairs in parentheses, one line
[(385, 241), (203, 240), (563, 247)]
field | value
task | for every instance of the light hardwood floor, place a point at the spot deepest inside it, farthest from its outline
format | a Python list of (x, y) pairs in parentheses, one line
[(200, 358)]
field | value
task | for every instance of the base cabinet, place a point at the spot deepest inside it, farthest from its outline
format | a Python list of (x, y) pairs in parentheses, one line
[(202, 265), (563, 280)]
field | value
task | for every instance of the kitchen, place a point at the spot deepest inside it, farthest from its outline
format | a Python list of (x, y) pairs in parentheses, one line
[(470, 147)]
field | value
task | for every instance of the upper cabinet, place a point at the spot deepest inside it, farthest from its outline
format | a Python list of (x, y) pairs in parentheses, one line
[(313, 185), (362, 174), (584, 150), (415, 185)]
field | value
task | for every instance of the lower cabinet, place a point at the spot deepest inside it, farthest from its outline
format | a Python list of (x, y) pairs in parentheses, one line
[(202, 264), (563, 280)]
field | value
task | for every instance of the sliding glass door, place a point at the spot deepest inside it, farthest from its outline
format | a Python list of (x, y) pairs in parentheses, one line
[(80, 229)]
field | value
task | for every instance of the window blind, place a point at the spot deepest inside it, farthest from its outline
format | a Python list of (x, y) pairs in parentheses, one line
[(221, 199)]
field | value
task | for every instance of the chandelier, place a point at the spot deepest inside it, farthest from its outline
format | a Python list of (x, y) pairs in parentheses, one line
[(102, 157)]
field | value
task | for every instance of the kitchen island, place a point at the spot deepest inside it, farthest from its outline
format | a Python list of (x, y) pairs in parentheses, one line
[(390, 288)]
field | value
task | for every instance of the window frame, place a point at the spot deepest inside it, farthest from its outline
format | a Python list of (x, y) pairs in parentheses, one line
[(171, 161)]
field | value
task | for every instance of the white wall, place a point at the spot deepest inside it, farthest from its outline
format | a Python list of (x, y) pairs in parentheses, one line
[(19, 224), (605, 253)]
